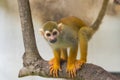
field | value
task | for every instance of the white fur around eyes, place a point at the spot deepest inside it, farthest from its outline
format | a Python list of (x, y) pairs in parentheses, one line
[(55, 30), (47, 32)]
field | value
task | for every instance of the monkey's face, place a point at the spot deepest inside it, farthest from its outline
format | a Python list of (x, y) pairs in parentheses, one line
[(51, 36), (51, 31)]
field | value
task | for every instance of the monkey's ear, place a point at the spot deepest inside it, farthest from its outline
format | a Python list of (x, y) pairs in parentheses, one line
[(60, 26), (41, 31)]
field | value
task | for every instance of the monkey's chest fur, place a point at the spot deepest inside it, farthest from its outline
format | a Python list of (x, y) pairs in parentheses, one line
[(67, 38)]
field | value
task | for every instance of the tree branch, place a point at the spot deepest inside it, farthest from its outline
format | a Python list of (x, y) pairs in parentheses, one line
[(35, 65), (88, 72), (31, 52)]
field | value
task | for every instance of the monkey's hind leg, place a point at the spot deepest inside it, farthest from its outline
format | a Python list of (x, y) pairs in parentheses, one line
[(55, 64), (71, 63), (85, 34)]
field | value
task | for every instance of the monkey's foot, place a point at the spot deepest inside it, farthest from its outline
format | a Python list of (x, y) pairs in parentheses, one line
[(79, 63), (73, 67), (54, 67)]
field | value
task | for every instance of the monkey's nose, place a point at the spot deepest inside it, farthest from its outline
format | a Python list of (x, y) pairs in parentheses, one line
[(53, 41)]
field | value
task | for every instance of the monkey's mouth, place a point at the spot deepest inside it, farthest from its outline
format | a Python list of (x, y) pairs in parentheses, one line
[(53, 41)]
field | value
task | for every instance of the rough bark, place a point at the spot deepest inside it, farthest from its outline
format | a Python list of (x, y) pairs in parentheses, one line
[(31, 52), (35, 65), (88, 72)]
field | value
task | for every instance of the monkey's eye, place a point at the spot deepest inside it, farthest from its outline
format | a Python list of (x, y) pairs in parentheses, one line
[(48, 34), (55, 33)]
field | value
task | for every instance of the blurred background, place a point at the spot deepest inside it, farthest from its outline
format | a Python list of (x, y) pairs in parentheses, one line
[(104, 47)]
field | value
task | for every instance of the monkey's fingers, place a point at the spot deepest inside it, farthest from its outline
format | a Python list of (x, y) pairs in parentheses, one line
[(55, 73), (51, 67), (72, 72), (51, 71), (72, 75)]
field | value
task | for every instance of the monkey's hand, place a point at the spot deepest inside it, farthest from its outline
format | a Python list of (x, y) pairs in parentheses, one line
[(54, 67), (73, 67)]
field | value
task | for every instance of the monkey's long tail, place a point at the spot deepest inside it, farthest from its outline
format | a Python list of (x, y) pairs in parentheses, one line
[(100, 16)]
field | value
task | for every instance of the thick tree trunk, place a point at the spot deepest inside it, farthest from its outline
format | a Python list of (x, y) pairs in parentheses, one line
[(31, 52), (35, 65)]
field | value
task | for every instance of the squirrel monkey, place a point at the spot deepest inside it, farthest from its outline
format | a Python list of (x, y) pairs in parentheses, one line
[(69, 32)]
